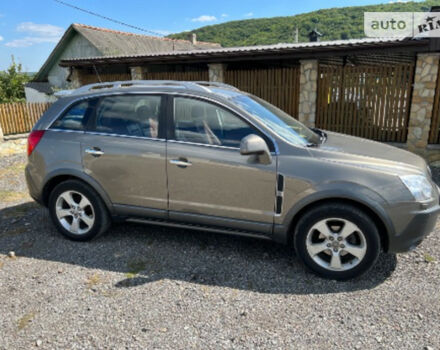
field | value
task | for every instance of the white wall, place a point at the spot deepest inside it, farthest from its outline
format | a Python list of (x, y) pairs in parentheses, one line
[(33, 95)]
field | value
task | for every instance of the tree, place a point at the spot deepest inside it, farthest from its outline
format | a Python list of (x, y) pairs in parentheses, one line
[(12, 83), (335, 23)]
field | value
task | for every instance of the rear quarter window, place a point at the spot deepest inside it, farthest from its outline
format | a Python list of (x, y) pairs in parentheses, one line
[(76, 117)]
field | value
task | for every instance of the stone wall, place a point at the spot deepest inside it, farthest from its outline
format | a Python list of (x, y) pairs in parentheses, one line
[(137, 73), (75, 78), (217, 72), (425, 81), (307, 92)]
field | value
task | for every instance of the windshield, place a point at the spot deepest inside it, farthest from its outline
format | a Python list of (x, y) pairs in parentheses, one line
[(282, 124)]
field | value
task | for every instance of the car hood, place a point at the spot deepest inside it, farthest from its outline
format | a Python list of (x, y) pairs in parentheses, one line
[(361, 152)]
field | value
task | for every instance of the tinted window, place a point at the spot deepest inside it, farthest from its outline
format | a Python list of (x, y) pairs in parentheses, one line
[(203, 122), (131, 115), (76, 117)]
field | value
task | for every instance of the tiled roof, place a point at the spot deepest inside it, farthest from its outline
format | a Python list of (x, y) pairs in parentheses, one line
[(113, 42)]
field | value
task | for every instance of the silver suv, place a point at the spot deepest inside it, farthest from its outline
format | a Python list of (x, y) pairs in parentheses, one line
[(207, 156)]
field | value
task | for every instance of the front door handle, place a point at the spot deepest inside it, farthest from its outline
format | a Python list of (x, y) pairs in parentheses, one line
[(95, 151), (181, 162)]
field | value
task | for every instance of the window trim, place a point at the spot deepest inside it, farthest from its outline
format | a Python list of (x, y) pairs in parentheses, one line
[(171, 129)]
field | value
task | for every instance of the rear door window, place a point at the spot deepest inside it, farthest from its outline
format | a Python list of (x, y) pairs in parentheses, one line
[(129, 115)]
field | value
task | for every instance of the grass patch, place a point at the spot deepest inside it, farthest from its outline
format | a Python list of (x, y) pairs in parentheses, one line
[(12, 196), (25, 320), (12, 170), (15, 231), (135, 267), (428, 258), (12, 151), (93, 280), (20, 210)]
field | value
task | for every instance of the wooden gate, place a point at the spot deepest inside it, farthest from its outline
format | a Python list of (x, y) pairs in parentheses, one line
[(106, 77), (434, 133), (277, 85), (190, 75), (370, 101)]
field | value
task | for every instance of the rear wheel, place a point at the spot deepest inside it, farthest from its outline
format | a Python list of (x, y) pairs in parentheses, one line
[(337, 241), (78, 211)]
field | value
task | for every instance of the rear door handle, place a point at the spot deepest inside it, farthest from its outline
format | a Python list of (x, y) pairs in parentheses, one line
[(181, 162), (95, 151)]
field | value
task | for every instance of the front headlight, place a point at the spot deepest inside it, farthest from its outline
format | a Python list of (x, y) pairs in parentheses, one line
[(419, 186)]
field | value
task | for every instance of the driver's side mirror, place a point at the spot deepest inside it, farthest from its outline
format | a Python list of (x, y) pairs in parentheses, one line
[(256, 146)]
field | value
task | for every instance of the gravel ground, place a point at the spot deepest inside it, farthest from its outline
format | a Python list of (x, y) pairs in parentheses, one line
[(151, 287)]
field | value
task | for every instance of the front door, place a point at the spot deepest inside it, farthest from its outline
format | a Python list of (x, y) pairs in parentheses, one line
[(208, 178), (124, 152)]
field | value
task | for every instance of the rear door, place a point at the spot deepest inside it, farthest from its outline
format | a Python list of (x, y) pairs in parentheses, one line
[(209, 181), (125, 151)]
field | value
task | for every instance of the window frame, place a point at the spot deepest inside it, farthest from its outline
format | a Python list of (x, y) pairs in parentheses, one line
[(91, 125), (171, 134)]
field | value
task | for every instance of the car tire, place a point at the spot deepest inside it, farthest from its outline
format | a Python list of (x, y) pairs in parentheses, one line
[(77, 211), (337, 241)]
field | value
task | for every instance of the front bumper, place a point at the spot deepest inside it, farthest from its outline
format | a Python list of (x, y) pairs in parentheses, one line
[(419, 226)]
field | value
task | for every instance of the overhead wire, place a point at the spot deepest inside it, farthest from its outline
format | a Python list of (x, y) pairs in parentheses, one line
[(109, 19)]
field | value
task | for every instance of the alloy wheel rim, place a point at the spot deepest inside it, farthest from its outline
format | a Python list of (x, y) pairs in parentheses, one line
[(75, 212), (336, 244)]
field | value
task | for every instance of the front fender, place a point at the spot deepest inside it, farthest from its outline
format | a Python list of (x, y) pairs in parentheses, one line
[(334, 191)]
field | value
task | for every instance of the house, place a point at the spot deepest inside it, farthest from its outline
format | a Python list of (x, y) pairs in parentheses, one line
[(81, 40)]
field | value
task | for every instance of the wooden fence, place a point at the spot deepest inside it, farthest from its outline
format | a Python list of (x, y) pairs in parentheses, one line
[(18, 118), (366, 101), (277, 85)]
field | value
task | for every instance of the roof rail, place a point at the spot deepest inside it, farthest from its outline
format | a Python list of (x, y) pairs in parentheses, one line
[(216, 84), (197, 85), (127, 83)]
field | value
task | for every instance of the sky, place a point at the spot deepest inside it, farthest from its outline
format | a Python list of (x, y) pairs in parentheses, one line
[(30, 29)]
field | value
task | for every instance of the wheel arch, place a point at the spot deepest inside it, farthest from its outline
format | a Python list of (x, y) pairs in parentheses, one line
[(53, 179)]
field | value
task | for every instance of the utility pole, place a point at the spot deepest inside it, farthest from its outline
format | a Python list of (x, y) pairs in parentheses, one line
[(296, 34)]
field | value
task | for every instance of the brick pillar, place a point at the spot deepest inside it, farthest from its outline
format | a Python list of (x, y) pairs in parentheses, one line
[(425, 81), (308, 86), (217, 72), (137, 73)]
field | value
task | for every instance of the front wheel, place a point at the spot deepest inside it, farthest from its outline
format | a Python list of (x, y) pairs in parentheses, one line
[(77, 211), (337, 241)]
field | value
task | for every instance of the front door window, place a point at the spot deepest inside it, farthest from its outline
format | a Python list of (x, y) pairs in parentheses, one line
[(206, 123)]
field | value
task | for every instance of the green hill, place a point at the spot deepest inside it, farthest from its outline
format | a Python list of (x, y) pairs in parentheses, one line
[(334, 24)]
